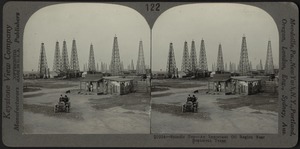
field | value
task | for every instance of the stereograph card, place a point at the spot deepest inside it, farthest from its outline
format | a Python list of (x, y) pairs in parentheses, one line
[(150, 74)]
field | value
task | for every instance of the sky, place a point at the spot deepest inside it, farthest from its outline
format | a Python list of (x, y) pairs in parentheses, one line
[(86, 23), (216, 24), (96, 23)]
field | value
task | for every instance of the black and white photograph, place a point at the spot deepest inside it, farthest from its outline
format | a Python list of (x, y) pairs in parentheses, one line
[(176, 74), (86, 70), (216, 70)]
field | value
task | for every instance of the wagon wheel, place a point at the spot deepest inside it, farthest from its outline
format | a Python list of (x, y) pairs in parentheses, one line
[(67, 109), (195, 109), (55, 109)]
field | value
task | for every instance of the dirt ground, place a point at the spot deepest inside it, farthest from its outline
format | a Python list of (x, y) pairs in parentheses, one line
[(89, 114), (176, 83), (216, 113), (261, 101)]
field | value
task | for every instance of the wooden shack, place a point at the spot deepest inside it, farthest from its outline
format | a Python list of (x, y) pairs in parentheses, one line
[(246, 85), (118, 85), (92, 83), (220, 83)]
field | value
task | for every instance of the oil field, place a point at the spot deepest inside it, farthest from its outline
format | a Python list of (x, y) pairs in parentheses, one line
[(223, 100), (95, 100)]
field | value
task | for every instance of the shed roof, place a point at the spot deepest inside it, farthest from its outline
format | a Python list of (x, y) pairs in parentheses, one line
[(119, 79), (92, 78), (247, 79), (220, 77)]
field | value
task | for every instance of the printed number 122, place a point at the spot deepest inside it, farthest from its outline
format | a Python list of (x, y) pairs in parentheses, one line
[(153, 7)]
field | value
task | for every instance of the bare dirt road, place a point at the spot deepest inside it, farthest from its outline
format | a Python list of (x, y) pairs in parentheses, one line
[(90, 114), (214, 116)]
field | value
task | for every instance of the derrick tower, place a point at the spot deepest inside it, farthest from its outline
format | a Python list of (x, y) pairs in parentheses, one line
[(230, 67), (260, 65), (115, 59), (57, 58), (243, 66), (91, 66), (202, 57), (220, 63), (102, 67), (140, 66), (193, 57), (43, 66), (269, 66), (74, 63), (132, 65), (185, 65), (65, 59), (171, 64)]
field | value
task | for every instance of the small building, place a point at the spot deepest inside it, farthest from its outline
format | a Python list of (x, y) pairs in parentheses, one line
[(246, 85), (220, 83), (118, 85), (159, 75), (30, 75), (53, 74), (92, 83)]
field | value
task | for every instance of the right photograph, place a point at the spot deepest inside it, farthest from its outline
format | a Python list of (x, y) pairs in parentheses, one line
[(215, 70)]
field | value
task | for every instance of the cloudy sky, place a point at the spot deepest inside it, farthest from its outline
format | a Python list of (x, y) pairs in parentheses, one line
[(86, 23), (215, 23)]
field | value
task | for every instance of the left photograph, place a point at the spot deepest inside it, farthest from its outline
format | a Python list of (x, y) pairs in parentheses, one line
[(86, 70)]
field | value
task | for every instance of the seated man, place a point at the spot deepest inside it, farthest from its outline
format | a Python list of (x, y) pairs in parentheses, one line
[(188, 98), (194, 98), (60, 98), (66, 99)]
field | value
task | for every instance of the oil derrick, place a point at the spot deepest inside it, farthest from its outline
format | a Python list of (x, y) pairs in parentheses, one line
[(220, 63), (269, 66), (74, 63), (225, 67), (140, 66), (171, 64), (260, 65), (230, 67), (250, 65), (65, 58), (185, 65), (202, 57), (115, 59), (243, 67), (97, 67), (193, 57), (91, 66), (57, 58), (102, 67), (132, 65), (43, 66)]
